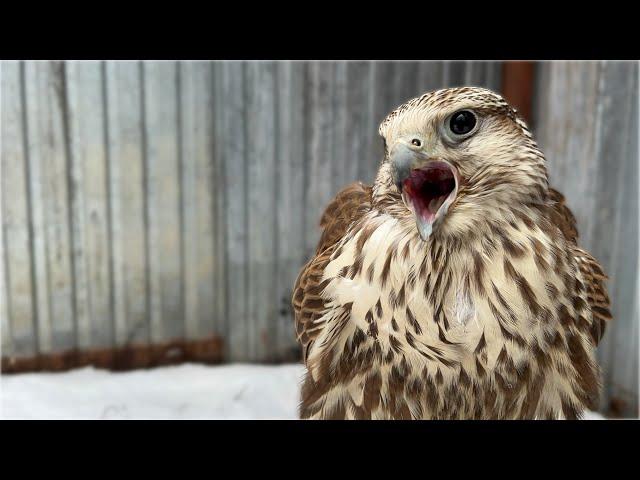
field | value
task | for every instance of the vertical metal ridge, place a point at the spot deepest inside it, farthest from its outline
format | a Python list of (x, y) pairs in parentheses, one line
[(145, 197), (110, 198), (72, 201), (181, 194), (305, 149), (597, 128), (446, 74), (220, 132), (277, 263), (5, 296), (30, 208), (245, 186), (371, 136), (218, 208), (272, 316)]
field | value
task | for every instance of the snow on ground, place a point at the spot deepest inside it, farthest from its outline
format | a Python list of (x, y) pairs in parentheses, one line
[(187, 391)]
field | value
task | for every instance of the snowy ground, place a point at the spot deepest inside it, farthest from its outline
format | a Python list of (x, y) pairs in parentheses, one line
[(186, 391)]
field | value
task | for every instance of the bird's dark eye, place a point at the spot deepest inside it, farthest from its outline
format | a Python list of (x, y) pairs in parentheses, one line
[(462, 122), (416, 142)]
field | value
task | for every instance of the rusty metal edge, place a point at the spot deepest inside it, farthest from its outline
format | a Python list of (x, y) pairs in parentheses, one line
[(130, 357)]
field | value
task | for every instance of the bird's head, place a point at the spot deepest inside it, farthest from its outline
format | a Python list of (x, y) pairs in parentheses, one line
[(456, 156)]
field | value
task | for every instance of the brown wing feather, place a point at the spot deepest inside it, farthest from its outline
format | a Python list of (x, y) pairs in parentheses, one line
[(563, 216), (350, 204), (597, 296), (591, 270)]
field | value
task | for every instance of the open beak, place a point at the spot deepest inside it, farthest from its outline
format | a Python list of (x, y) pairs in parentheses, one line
[(428, 186)]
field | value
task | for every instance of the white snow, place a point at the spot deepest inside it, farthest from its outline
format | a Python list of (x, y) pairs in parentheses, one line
[(187, 391)]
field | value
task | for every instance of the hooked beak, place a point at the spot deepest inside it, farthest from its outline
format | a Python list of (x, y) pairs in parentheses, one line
[(428, 186)]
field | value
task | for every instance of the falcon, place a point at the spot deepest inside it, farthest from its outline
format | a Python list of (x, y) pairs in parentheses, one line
[(454, 286)]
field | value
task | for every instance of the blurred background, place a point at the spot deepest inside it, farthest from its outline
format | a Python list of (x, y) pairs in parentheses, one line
[(157, 213)]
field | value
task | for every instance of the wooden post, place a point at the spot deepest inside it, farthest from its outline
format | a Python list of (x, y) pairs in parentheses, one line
[(517, 86)]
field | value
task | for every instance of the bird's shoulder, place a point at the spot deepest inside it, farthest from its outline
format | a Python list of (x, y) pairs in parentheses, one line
[(349, 205)]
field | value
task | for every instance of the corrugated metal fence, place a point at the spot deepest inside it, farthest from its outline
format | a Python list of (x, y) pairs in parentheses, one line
[(148, 201)]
